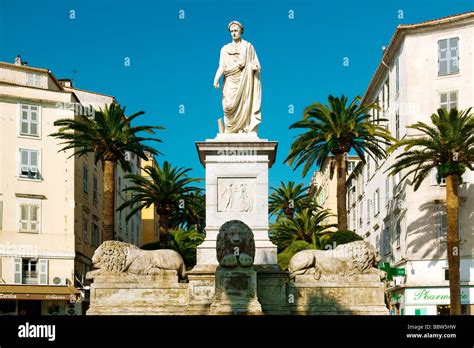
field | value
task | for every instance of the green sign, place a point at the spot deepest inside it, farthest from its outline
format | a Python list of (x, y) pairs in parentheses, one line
[(399, 272), (392, 271)]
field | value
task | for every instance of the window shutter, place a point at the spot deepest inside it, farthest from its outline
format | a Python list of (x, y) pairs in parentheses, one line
[(443, 223), (33, 120), (443, 57), (24, 159), (34, 163), (453, 55), (34, 217), (43, 271), (24, 119), (18, 270)]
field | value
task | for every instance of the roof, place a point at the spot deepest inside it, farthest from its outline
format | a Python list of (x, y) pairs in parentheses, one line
[(86, 91), (397, 39), (26, 67)]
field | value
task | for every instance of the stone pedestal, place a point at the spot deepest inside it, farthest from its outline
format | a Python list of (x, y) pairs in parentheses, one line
[(201, 288), (354, 295), (237, 189), (235, 292), (128, 294)]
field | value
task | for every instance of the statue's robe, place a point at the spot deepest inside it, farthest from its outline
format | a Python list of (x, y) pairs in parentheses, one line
[(242, 90)]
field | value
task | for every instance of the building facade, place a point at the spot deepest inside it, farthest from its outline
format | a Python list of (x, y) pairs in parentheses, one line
[(150, 218), (50, 203), (323, 187), (425, 67)]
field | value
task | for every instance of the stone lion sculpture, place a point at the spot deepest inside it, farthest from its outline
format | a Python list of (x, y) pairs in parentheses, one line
[(235, 245), (353, 258), (118, 257)]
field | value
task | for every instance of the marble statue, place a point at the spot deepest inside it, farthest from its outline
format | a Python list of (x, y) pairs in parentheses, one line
[(241, 91), (235, 245), (349, 259), (118, 257)]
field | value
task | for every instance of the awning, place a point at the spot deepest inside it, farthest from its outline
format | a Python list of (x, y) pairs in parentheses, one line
[(38, 292)]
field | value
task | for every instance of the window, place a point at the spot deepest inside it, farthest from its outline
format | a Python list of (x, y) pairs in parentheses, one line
[(397, 76), (397, 125), (29, 120), (119, 190), (33, 80), (95, 235), (445, 273), (361, 212), (448, 56), (94, 188), (354, 219), (85, 227), (376, 202), (29, 164), (386, 240), (448, 100), (398, 232), (368, 211), (387, 94), (350, 166), (443, 223), (384, 95), (29, 271), (387, 191), (368, 167), (85, 179), (29, 216)]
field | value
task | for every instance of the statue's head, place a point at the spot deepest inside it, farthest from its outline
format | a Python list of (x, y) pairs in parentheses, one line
[(236, 29)]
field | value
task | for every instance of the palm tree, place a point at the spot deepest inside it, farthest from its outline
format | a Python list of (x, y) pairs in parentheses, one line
[(166, 187), (184, 241), (287, 198), (335, 130), (307, 225), (192, 212), (109, 135), (448, 147)]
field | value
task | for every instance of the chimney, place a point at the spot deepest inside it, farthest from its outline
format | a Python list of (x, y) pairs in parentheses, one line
[(18, 60), (65, 82), (383, 50)]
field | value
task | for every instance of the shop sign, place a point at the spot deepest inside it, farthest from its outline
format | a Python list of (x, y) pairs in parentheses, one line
[(421, 296)]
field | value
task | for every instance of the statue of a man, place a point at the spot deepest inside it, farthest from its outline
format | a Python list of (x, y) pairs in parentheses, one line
[(242, 90)]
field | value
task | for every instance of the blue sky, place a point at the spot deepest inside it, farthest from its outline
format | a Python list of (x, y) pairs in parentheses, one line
[(173, 60)]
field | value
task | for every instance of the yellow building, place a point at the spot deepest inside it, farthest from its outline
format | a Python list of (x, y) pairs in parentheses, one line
[(323, 188), (150, 218)]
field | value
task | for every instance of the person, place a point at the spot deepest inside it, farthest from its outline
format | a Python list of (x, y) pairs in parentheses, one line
[(241, 91)]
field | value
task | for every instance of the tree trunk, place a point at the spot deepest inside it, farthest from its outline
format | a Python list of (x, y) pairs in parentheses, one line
[(108, 205), (341, 191), (452, 204), (164, 224)]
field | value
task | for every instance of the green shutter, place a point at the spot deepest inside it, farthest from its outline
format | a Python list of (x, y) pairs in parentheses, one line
[(43, 271), (18, 270)]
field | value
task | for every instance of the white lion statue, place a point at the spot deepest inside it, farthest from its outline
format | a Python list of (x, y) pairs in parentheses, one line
[(118, 257), (353, 258)]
